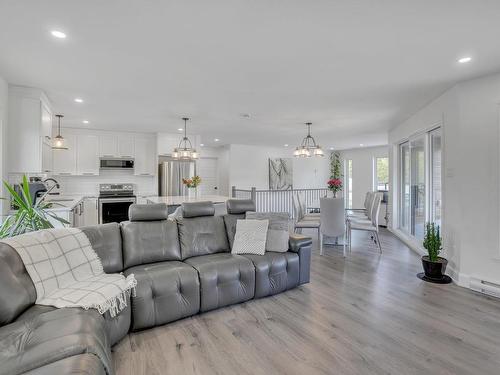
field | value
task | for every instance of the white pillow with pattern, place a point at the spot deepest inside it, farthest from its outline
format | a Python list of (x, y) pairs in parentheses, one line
[(250, 237)]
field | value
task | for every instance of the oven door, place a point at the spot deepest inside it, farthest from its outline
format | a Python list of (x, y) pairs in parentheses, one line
[(114, 210)]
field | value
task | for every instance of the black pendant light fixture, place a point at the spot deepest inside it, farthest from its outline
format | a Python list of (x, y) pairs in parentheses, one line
[(59, 143), (185, 150), (308, 147)]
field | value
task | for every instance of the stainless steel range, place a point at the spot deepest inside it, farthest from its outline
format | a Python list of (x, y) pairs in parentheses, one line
[(114, 201)]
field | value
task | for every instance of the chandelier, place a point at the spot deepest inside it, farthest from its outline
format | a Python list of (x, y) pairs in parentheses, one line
[(185, 150), (59, 143), (308, 147)]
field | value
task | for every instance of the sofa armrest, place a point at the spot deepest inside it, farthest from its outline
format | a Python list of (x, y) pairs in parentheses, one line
[(296, 241)]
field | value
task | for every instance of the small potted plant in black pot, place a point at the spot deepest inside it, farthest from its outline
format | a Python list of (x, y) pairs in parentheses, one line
[(434, 265)]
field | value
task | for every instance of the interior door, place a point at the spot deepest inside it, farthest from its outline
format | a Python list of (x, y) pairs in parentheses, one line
[(207, 170)]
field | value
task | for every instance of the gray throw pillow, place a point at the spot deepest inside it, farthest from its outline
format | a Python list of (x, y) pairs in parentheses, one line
[(277, 232)]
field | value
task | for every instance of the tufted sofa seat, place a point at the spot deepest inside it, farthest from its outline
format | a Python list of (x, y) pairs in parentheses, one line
[(183, 267)]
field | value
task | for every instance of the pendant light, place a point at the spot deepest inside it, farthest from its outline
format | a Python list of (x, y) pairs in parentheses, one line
[(308, 147), (185, 150), (59, 143)]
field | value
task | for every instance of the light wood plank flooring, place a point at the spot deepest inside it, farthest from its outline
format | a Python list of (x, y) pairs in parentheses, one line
[(365, 314)]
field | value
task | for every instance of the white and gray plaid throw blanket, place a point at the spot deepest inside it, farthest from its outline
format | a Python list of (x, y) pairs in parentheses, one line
[(67, 272)]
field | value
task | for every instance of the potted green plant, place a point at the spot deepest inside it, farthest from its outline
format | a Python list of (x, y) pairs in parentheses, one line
[(28, 216), (434, 265)]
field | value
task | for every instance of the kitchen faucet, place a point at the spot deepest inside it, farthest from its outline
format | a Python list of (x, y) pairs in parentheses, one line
[(56, 184)]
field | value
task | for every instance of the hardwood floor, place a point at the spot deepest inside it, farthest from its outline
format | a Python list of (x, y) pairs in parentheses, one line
[(363, 314)]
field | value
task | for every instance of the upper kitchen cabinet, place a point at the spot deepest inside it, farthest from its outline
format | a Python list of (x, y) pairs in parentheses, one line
[(29, 131), (65, 160), (87, 155), (116, 146), (126, 147), (145, 156)]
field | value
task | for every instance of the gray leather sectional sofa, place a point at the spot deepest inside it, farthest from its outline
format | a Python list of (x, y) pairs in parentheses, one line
[(183, 267)]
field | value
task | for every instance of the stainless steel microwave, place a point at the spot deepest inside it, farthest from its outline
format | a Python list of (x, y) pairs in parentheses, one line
[(110, 163)]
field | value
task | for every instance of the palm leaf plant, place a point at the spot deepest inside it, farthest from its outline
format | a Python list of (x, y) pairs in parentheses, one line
[(29, 216)]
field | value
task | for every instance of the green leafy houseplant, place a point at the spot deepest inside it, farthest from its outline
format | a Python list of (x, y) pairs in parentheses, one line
[(432, 241), (29, 216)]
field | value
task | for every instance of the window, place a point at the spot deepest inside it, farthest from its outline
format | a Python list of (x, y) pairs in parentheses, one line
[(420, 182), (348, 183), (381, 174)]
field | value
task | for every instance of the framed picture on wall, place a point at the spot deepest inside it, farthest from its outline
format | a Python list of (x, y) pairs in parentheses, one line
[(280, 174)]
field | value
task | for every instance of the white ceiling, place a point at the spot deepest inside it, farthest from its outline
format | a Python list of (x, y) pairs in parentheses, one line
[(354, 68)]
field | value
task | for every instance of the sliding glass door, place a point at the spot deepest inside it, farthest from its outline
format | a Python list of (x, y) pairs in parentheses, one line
[(417, 172), (420, 183), (404, 201)]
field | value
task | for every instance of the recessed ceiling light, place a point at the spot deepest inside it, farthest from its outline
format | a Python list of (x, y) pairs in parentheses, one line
[(216, 139), (361, 144), (58, 34), (465, 59), (85, 121), (331, 148), (79, 100), (180, 129), (286, 145), (201, 144)]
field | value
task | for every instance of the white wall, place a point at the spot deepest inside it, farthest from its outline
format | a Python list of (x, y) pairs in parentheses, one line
[(362, 170), (249, 167), (469, 114), (3, 129)]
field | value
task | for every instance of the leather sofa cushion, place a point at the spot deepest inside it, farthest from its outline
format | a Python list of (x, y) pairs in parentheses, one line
[(198, 209), (202, 236), (148, 212), (116, 327), (274, 272), (149, 241), (82, 364), (52, 336), (225, 279), (17, 291), (240, 206), (106, 240), (165, 292)]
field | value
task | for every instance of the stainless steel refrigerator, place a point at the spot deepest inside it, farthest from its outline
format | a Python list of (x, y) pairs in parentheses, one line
[(170, 175)]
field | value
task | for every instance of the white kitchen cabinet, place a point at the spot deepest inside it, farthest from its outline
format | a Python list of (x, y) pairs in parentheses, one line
[(47, 164), (126, 146), (30, 120), (87, 155), (65, 160), (108, 146), (46, 124), (145, 156), (90, 212)]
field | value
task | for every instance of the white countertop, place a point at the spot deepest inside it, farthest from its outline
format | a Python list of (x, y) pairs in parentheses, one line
[(178, 200), (65, 202)]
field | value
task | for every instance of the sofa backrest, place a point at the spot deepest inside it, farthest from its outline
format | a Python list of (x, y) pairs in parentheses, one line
[(236, 210), (106, 240), (17, 291), (148, 236), (200, 232)]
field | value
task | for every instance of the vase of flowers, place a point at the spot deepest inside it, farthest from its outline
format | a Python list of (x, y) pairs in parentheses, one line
[(334, 185), (192, 184)]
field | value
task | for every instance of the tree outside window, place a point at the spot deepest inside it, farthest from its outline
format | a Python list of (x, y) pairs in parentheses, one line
[(382, 174)]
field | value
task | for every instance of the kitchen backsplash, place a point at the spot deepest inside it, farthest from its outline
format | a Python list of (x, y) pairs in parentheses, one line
[(88, 185)]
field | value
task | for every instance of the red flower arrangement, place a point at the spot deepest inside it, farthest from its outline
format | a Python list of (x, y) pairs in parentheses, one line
[(335, 185)]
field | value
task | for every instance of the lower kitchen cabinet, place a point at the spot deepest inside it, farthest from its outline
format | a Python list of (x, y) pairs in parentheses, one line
[(90, 212)]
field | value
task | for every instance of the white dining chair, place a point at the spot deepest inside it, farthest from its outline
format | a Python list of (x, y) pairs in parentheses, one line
[(332, 219), (303, 208), (365, 224), (301, 223)]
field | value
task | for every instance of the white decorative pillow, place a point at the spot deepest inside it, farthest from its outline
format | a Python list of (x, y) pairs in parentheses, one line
[(250, 237)]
